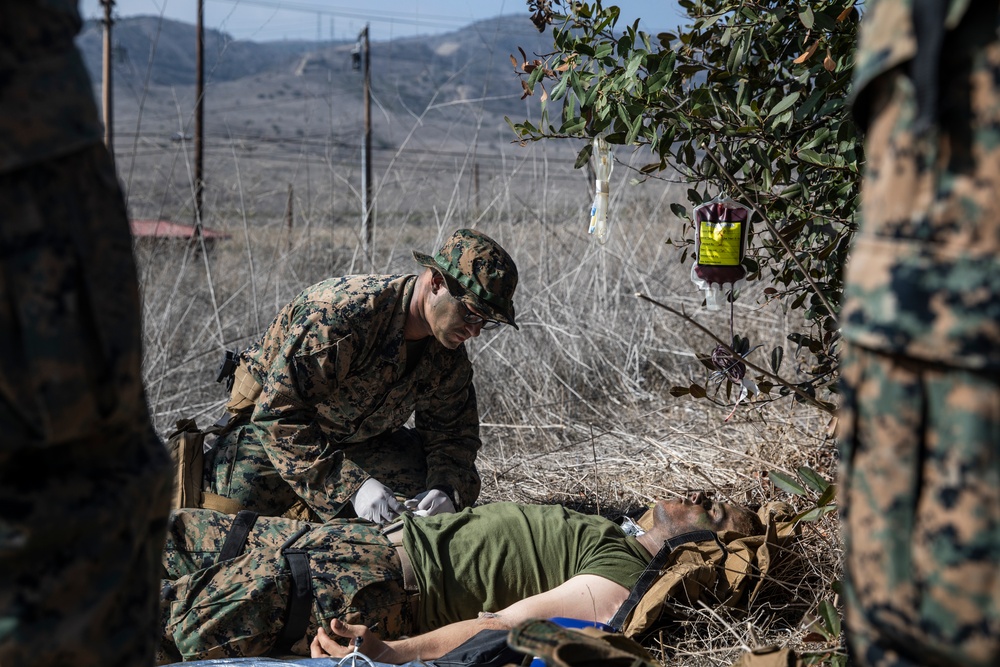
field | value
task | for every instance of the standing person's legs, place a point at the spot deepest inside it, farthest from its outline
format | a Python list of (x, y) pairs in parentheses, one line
[(84, 479), (920, 498)]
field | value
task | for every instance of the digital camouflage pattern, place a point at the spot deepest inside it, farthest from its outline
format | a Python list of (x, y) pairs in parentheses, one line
[(920, 499), (84, 480), (920, 418), (237, 607), (485, 274), (924, 275), (45, 91), (338, 384)]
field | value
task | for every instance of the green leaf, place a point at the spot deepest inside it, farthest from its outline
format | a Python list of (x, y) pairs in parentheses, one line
[(822, 134), (697, 390), (829, 495), (677, 392), (830, 618), (634, 128), (807, 18), (559, 90), (813, 479), (786, 483), (573, 126), (633, 65), (657, 81), (814, 514), (603, 50), (584, 155), (777, 355), (812, 157), (535, 76), (785, 104)]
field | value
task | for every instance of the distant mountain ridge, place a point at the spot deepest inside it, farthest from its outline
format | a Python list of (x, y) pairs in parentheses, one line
[(171, 45), (300, 103), (474, 58)]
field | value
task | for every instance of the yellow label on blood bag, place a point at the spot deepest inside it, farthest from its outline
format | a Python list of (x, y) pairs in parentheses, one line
[(720, 243)]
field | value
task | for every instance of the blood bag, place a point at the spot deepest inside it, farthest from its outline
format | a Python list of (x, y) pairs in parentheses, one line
[(720, 243)]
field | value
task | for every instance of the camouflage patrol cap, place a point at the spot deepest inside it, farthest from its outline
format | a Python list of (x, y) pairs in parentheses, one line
[(479, 273)]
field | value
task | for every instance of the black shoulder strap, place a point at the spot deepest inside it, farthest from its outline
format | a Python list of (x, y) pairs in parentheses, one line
[(300, 598), (652, 571), (236, 540), (929, 29)]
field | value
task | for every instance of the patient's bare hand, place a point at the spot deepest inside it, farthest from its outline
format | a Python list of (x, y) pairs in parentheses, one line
[(324, 645)]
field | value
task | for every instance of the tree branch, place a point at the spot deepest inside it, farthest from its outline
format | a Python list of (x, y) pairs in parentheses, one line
[(780, 380)]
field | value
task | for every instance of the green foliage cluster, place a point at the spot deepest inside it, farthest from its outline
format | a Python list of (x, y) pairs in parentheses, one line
[(749, 100), (820, 496)]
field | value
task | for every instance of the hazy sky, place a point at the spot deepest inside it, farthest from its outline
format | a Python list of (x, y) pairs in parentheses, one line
[(262, 20)]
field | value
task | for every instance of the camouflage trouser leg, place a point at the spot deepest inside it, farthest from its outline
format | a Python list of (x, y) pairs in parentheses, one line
[(84, 480), (921, 510), (238, 607), (240, 468)]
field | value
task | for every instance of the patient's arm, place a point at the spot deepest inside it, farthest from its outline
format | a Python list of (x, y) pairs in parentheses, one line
[(585, 596)]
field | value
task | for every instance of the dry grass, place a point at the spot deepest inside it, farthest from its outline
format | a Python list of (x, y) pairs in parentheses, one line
[(574, 406)]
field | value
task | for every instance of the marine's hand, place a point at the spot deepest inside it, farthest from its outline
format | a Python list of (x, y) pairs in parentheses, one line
[(434, 501), (325, 644), (375, 502)]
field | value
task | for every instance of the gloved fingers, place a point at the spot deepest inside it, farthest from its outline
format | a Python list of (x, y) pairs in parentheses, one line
[(392, 509), (430, 499), (436, 501), (374, 501)]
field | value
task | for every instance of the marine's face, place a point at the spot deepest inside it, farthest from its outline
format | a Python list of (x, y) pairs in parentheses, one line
[(697, 511), (447, 318)]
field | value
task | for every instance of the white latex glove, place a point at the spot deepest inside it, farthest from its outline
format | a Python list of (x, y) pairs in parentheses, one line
[(433, 502), (375, 502)]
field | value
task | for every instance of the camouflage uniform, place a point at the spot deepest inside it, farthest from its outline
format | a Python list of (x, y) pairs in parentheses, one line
[(237, 607), (84, 480), (920, 426), (337, 382)]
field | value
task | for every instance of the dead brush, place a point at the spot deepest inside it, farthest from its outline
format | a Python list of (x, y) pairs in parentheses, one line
[(575, 407)]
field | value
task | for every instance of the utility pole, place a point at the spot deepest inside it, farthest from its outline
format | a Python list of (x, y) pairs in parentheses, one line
[(199, 116), (368, 213), (107, 96)]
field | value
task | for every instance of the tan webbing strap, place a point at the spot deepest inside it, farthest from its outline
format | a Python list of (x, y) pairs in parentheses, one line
[(186, 451), (394, 531), (245, 390), (213, 501)]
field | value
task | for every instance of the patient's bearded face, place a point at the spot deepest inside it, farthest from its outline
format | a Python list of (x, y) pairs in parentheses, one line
[(697, 511)]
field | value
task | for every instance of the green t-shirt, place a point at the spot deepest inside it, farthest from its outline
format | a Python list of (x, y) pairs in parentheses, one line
[(487, 558)]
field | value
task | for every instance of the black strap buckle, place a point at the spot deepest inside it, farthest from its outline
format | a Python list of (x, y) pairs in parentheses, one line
[(227, 369)]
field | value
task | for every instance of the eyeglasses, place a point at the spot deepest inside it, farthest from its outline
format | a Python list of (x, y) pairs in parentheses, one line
[(471, 318)]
